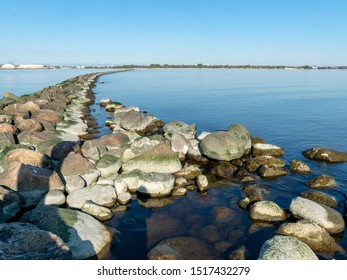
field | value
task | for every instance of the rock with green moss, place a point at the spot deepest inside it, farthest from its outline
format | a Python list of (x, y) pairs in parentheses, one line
[(322, 182), (286, 248), (222, 145), (108, 165), (159, 159), (253, 164), (85, 236), (320, 197)]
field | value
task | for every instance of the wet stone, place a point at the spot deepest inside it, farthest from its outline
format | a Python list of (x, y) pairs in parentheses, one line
[(321, 182)]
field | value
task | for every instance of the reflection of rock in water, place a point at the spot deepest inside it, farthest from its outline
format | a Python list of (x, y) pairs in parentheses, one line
[(161, 226), (183, 248), (147, 202)]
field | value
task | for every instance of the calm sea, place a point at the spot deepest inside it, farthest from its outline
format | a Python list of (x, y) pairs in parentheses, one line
[(289, 108)]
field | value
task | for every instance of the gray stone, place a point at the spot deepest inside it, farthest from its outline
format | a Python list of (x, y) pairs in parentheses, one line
[(312, 234), (179, 144), (121, 186), (124, 198), (54, 198), (84, 235), (320, 214), (181, 128), (222, 145), (243, 134), (74, 183), (23, 241), (99, 212), (99, 194), (190, 172), (286, 248), (155, 184), (108, 165)]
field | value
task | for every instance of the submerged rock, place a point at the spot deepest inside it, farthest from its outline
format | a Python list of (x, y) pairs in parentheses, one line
[(271, 172), (224, 170), (320, 214), (321, 182), (325, 154), (297, 166), (286, 248), (253, 164), (182, 248)]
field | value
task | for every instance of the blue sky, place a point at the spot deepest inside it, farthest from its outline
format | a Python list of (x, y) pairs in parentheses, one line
[(266, 32)]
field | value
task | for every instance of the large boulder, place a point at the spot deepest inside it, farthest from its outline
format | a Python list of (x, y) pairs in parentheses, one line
[(180, 128), (9, 202), (222, 145), (23, 241), (243, 134), (325, 154), (31, 183), (182, 248), (61, 150), (286, 248), (139, 122), (158, 159), (84, 235), (312, 234), (76, 164), (25, 156), (30, 124), (103, 195), (149, 184), (96, 148), (320, 214)]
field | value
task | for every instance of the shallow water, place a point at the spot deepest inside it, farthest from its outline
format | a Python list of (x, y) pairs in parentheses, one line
[(293, 109)]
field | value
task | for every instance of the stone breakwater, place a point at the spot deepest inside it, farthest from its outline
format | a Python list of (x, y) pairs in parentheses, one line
[(62, 190)]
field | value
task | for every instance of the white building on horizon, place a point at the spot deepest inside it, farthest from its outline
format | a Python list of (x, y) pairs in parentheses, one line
[(30, 66), (8, 66)]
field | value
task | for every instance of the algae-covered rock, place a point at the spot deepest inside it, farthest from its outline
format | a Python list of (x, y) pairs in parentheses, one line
[(325, 154), (158, 159), (108, 165)]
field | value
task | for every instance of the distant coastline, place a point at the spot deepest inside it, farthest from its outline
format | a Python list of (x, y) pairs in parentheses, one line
[(170, 66)]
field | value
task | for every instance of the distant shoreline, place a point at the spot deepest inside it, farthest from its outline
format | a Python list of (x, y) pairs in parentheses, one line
[(198, 66)]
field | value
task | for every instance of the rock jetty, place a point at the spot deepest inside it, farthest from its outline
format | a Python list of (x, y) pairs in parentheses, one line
[(61, 185)]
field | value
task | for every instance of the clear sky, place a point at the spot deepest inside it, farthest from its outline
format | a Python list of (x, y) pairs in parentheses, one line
[(258, 32)]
